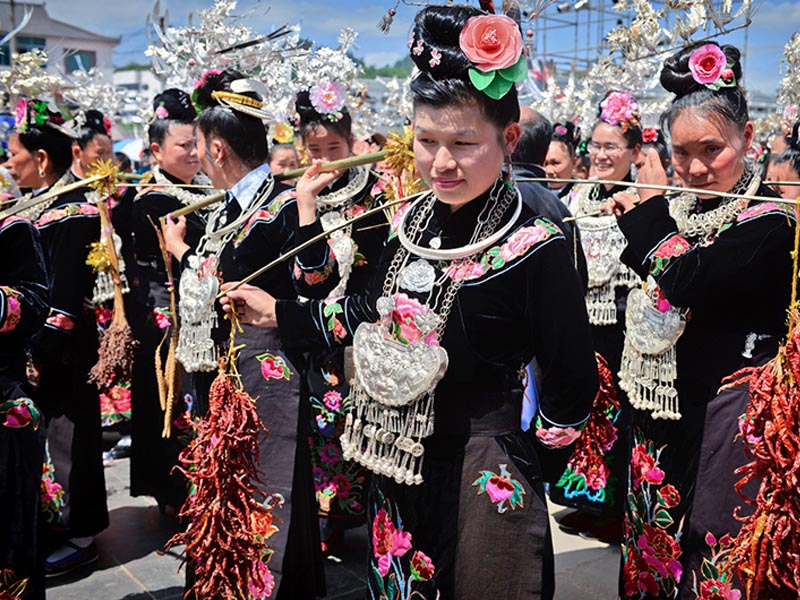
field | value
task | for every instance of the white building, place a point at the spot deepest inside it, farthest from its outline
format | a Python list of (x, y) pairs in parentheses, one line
[(68, 47)]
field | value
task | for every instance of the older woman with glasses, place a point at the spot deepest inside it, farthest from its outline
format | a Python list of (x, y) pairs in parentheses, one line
[(614, 146)]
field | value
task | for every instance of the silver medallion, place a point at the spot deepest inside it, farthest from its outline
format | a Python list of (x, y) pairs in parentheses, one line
[(418, 276)]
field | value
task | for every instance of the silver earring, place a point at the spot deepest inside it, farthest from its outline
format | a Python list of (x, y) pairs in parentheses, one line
[(41, 173)]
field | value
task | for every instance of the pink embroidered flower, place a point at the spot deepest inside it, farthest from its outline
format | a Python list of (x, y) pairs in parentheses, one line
[(330, 454), (594, 471), (162, 318), (405, 326), (21, 112), (707, 63), (18, 415), (261, 580), (618, 108), (61, 321), (13, 312), (273, 367), (557, 437), (342, 485), (162, 112), (643, 468), (422, 568), (491, 42), (387, 541), (637, 577), (756, 210), (746, 428), (560, 130), (339, 332), (103, 315), (499, 488), (327, 97), (465, 270), (718, 590), (521, 241), (355, 210), (333, 400), (650, 135), (661, 552)]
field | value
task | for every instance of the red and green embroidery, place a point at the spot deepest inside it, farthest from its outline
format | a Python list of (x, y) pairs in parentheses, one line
[(716, 578), (503, 490), (674, 246), (266, 214), (313, 277), (518, 244), (331, 310), (51, 494), (10, 309), (19, 413), (652, 548), (396, 568), (274, 367)]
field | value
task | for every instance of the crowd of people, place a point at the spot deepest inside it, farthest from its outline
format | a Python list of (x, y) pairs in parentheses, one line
[(553, 311)]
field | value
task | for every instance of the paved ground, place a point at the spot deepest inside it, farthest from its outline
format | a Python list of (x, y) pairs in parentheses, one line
[(131, 567)]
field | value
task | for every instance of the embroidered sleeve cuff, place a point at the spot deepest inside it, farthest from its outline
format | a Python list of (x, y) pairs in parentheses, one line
[(645, 227), (673, 246), (60, 320), (10, 309), (552, 435)]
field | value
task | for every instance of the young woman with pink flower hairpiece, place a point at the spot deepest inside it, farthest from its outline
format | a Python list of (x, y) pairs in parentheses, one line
[(597, 490), (471, 285), (341, 265), (718, 277)]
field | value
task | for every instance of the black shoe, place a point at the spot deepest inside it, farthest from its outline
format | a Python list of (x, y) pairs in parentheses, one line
[(576, 521), (608, 534), (76, 559), (122, 449)]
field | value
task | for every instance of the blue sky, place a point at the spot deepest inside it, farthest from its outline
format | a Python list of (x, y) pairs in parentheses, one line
[(321, 20)]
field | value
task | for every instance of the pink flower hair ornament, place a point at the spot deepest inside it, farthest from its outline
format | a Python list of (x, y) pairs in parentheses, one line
[(328, 98), (710, 67), (620, 108), (493, 44)]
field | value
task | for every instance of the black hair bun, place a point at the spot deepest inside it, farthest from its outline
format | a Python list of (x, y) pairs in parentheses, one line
[(95, 122), (306, 112), (176, 103), (216, 81), (676, 77), (567, 132), (434, 41)]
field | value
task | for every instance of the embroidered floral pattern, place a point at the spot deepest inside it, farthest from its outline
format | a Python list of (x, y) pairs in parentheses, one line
[(716, 575), (331, 310), (19, 413), (11, 587), (60, 321), (396, 568), (115, 403), (404, 320), (51, 494), (758, 210), (312, 277), (652, 548), (518, 244), (162, 318), (274, 367), (65, 212), (265, 215), (339, 485), (555, 437), (503, 490), (672, 247), (10, 309)]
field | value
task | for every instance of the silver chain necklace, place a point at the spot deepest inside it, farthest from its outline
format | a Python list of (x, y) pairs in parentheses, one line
[(394, 389), (358, 178)]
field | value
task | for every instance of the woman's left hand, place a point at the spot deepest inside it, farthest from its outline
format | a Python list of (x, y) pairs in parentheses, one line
[(253, 305)]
